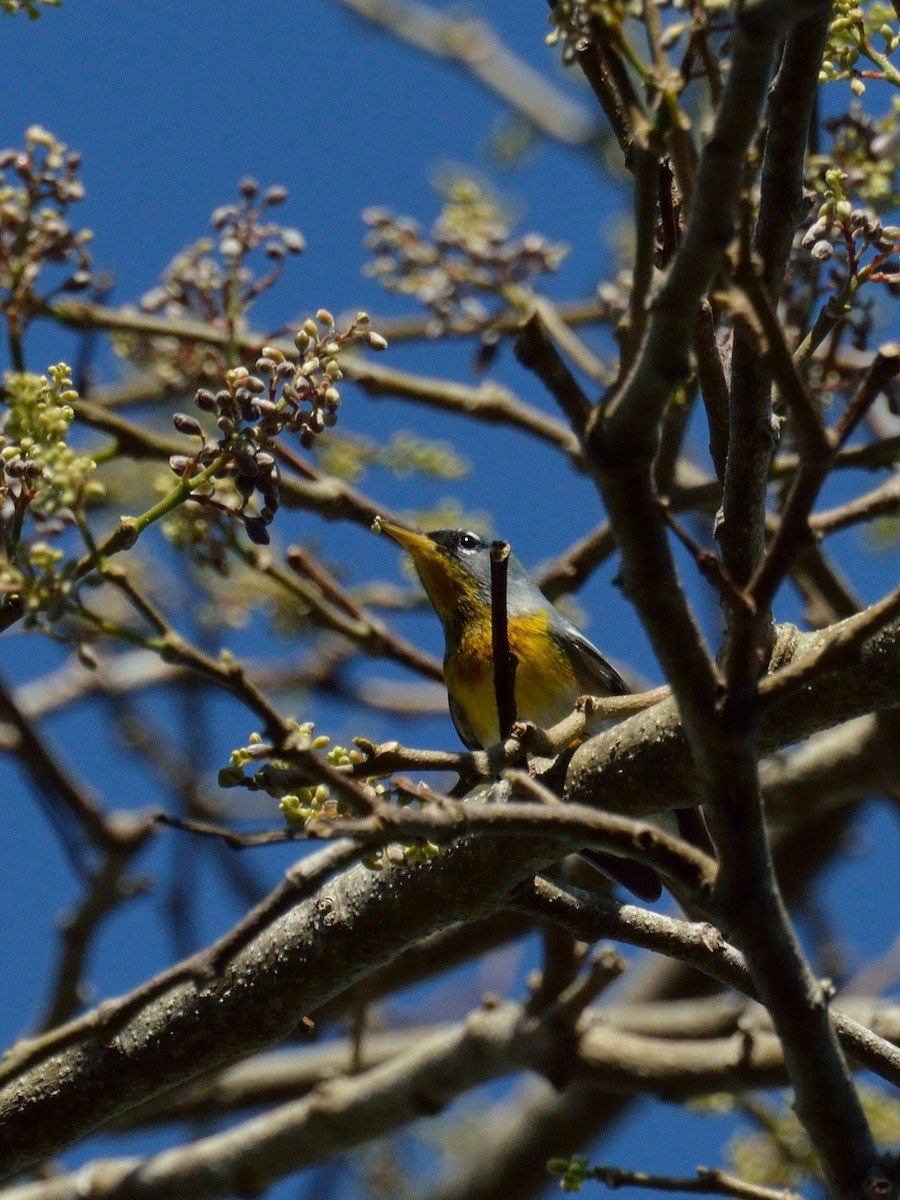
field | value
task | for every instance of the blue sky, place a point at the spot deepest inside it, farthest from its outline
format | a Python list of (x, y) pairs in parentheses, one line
[(171, 104)]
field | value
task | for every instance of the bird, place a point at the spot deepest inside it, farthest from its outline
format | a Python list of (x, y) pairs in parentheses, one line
[(554, 662)]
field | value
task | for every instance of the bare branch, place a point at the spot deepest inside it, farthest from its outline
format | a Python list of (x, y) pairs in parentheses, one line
[(471, 43)]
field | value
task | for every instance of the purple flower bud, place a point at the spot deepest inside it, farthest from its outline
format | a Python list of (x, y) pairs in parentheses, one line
[(256, 531), (187, 424)]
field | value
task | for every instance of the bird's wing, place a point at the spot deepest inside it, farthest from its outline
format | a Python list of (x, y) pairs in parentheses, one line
[(635, 876), (463, 728), (693, 828), (595, 674)]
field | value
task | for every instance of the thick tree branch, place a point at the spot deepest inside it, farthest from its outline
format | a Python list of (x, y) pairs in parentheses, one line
[(742, 533), (721, 731), (351, 1110), (119, 1056), (646, 758)]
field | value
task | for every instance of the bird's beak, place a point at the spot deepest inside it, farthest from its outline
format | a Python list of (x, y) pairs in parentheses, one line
[(444, 581), (419, 545)]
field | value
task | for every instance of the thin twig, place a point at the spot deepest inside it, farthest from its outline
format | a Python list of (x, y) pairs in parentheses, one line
[(771, 349), (109, 886), (505, 662), (882, 370), (707, 1182), (645, 167), (713, 387), (560, 329), (880, 502), (473, 45), (535, 350), (55, 785), (489, 402)]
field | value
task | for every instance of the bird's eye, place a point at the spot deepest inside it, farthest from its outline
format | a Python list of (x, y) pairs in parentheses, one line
[(469, 541)]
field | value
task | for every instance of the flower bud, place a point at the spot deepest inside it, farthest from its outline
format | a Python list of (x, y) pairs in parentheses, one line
[(277, 194), (187, 424), (294, 241)]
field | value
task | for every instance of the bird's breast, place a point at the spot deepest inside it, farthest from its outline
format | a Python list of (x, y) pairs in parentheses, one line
[(546, 686)]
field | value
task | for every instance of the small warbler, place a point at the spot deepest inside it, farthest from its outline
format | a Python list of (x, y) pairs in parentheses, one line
[(555, 664)]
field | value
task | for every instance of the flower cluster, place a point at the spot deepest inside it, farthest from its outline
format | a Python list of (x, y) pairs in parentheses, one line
[(302, 801), (572, 1172), (469, 257), (298, 800), (204, 531), (867, 151), (577, 24), (855, 229), (215, 281), (852, 36), (282, 394), (38, 465), (212, 279), (37, 186), (406, 454), (42, 480), (574, 23)]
